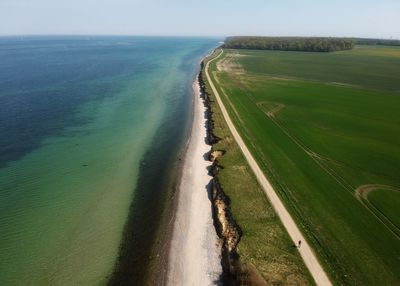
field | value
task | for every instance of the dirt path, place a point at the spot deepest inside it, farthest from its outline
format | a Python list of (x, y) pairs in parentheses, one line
[(305, 250)]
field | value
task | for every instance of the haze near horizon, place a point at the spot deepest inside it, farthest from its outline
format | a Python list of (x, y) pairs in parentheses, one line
[(376, 19)]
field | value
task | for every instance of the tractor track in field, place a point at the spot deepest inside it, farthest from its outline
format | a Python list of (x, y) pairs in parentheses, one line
[(361, 193)]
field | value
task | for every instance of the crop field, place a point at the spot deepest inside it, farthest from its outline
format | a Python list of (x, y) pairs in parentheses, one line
[(325, 129)]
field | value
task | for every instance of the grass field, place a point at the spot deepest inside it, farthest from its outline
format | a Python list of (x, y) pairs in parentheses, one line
[(265, 249), (387, 202), (321, 126)]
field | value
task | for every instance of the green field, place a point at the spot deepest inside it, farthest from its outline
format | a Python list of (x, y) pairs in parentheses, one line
[(322, 125), (387, 203)]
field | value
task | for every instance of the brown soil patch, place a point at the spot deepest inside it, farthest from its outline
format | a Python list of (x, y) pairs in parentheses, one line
[(230, 65)]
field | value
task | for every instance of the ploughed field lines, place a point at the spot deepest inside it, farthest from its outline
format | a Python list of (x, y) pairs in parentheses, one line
[(322, 128), (270, 109)]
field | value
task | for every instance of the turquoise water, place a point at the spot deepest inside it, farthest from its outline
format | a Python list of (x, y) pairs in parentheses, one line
[(77, 116)]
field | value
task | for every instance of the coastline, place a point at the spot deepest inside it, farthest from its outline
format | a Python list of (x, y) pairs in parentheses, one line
[(194, 255), (166, 227), (147, 234), (128, 134)]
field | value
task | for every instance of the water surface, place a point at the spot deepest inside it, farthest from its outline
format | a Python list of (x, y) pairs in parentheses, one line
[(77, 115)]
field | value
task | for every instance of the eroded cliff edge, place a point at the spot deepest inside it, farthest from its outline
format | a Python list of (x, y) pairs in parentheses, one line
[(226, 227)]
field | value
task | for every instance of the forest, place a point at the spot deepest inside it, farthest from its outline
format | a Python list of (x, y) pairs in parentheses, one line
[(307, 44)]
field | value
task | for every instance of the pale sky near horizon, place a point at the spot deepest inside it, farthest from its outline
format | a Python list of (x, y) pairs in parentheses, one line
[(359, 18)]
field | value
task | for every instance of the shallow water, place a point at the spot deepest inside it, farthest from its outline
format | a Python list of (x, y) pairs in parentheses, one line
[(77, 115)]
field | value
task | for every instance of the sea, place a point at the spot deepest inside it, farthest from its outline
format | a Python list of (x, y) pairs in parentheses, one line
[(89, 129)]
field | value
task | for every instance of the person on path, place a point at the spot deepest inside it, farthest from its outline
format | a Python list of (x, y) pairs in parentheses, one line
[(299, 243)]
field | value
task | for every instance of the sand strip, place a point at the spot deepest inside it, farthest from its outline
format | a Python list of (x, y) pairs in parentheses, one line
[(194, 257)]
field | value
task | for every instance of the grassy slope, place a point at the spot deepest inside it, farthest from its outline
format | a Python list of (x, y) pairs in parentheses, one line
[(265, 244), (354, 131)]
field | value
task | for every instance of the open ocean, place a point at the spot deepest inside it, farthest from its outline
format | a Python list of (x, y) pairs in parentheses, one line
[(78, 118)]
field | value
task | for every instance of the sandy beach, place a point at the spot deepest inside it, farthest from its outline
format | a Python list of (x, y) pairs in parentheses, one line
[(194, 257)]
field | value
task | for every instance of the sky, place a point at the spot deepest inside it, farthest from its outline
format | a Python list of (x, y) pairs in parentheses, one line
[(342, 18)]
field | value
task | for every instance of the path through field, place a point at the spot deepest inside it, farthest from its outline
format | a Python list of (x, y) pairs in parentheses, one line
[(305, 250)]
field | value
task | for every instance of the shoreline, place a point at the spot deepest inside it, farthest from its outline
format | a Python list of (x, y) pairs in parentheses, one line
[(193, 234), (166, 227), (147, 234), (147, 256)]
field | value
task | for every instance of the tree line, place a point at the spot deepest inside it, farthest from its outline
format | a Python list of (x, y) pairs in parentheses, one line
[(308, 44), (384, 42)]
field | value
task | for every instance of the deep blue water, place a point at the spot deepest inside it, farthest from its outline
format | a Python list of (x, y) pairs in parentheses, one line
[(43, 80)]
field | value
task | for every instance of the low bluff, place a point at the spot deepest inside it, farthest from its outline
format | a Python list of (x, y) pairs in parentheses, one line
[(229, 232), (226, 227)]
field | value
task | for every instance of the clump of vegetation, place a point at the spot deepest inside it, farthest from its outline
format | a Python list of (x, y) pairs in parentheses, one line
[(311, 44)]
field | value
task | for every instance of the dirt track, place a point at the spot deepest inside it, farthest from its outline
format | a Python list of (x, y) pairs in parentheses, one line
[(305, 250)]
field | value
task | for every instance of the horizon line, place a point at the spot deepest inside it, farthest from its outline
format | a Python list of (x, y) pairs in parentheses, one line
[(185, 36)]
